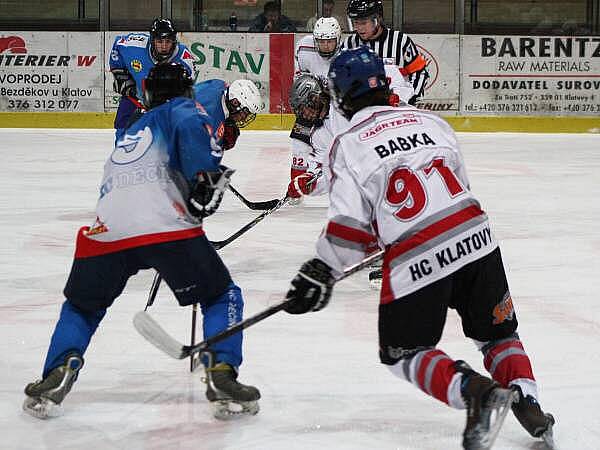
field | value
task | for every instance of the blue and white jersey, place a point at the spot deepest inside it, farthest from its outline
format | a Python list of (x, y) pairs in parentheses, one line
[(132, 52), (209, 94), (148, 178), (209, 99)]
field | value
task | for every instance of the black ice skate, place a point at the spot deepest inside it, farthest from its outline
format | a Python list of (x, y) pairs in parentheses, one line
[(376, 278), (44, 397), (530, 415), (487, 406), (230, 398)]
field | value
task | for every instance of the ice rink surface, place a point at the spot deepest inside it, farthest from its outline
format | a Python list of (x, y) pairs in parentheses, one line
[(320, 377)]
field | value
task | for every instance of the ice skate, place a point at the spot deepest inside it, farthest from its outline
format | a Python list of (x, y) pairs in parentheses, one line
[(376, 278), (44, 397), (487, 407), (530, 415), (229, 398)]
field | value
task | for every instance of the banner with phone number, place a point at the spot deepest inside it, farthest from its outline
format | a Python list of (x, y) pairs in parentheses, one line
[(51, 71)]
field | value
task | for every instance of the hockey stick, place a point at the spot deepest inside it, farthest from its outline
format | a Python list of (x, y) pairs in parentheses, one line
[(217, 245), (156, 335), (220, 244), (257, 206), (153, 291)]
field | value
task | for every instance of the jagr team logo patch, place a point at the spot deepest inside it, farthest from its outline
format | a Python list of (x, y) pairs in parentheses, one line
[(136, 65)]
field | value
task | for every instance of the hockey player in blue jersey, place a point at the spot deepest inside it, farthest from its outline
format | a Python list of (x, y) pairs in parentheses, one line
[(131, 58), (234, 105), (162, 178)]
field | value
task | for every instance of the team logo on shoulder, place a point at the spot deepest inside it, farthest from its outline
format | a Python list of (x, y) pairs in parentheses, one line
[(130, 148), (136, 65), (221, 131), (402, 121), (503, 311)]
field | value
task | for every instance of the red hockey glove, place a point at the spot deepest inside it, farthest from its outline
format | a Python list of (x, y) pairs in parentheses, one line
[(303, 183), (230, 134)]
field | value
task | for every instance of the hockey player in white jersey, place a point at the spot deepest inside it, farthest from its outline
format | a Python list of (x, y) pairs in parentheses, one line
[(398, 177), (314, 52)]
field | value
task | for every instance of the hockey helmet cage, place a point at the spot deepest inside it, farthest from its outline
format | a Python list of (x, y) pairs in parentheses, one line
[(356, 74), (166, 81), (362, 9), (327, 28), (243, 101), (162, 29), (309, 99)]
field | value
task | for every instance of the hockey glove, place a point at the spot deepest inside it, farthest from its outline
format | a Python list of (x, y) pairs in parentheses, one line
[(208, 193), (311, 288), (123, 83), (231, 133), (303, 183)]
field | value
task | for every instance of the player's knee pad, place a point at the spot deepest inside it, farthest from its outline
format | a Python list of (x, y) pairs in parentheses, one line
[(398, 360)]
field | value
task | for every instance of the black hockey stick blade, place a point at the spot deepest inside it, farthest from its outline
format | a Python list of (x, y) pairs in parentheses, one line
[(257, 206), (155, 334), (220, 244)]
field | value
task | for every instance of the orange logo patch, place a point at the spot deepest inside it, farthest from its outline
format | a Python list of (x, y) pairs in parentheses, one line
[(503, 311)]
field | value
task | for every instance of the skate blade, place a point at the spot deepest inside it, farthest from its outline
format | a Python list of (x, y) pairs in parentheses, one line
[(231, 410), (500, 402), (42, 408), (548, 438)]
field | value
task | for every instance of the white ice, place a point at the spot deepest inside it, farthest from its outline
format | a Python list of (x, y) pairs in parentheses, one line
[(320, 377)]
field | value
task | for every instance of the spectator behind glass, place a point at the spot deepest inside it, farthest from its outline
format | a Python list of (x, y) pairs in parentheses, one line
[(272, 21), (328, 7)]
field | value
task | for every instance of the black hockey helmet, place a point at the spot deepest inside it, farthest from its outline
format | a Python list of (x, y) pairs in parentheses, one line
[(162, 29), (362, 9), (166, 81)]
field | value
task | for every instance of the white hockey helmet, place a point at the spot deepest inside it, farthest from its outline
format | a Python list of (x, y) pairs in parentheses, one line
[(327, 29), (243, 100)]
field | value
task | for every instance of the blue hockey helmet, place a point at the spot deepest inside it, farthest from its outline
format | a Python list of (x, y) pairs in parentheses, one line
[(356, 74)]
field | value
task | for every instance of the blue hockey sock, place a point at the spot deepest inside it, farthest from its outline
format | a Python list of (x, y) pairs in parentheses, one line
[(219, 314), (73, 332)]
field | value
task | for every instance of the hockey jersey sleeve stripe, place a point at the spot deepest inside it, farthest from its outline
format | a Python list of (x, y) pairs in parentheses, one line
[(346, 236), (87, 247)]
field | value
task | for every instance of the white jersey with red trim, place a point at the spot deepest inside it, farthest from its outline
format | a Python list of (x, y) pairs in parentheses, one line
[(398, 177)]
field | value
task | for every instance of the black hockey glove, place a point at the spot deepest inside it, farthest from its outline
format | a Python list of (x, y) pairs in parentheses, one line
[(123, 83), (231, 133), (311, 288), (208, 193)]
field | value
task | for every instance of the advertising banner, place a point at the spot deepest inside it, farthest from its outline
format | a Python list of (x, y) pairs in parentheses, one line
[(441, 51), (537, 76), (51, 71)]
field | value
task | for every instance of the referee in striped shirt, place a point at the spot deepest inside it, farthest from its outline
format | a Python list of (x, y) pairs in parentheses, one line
[(393, 46)]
